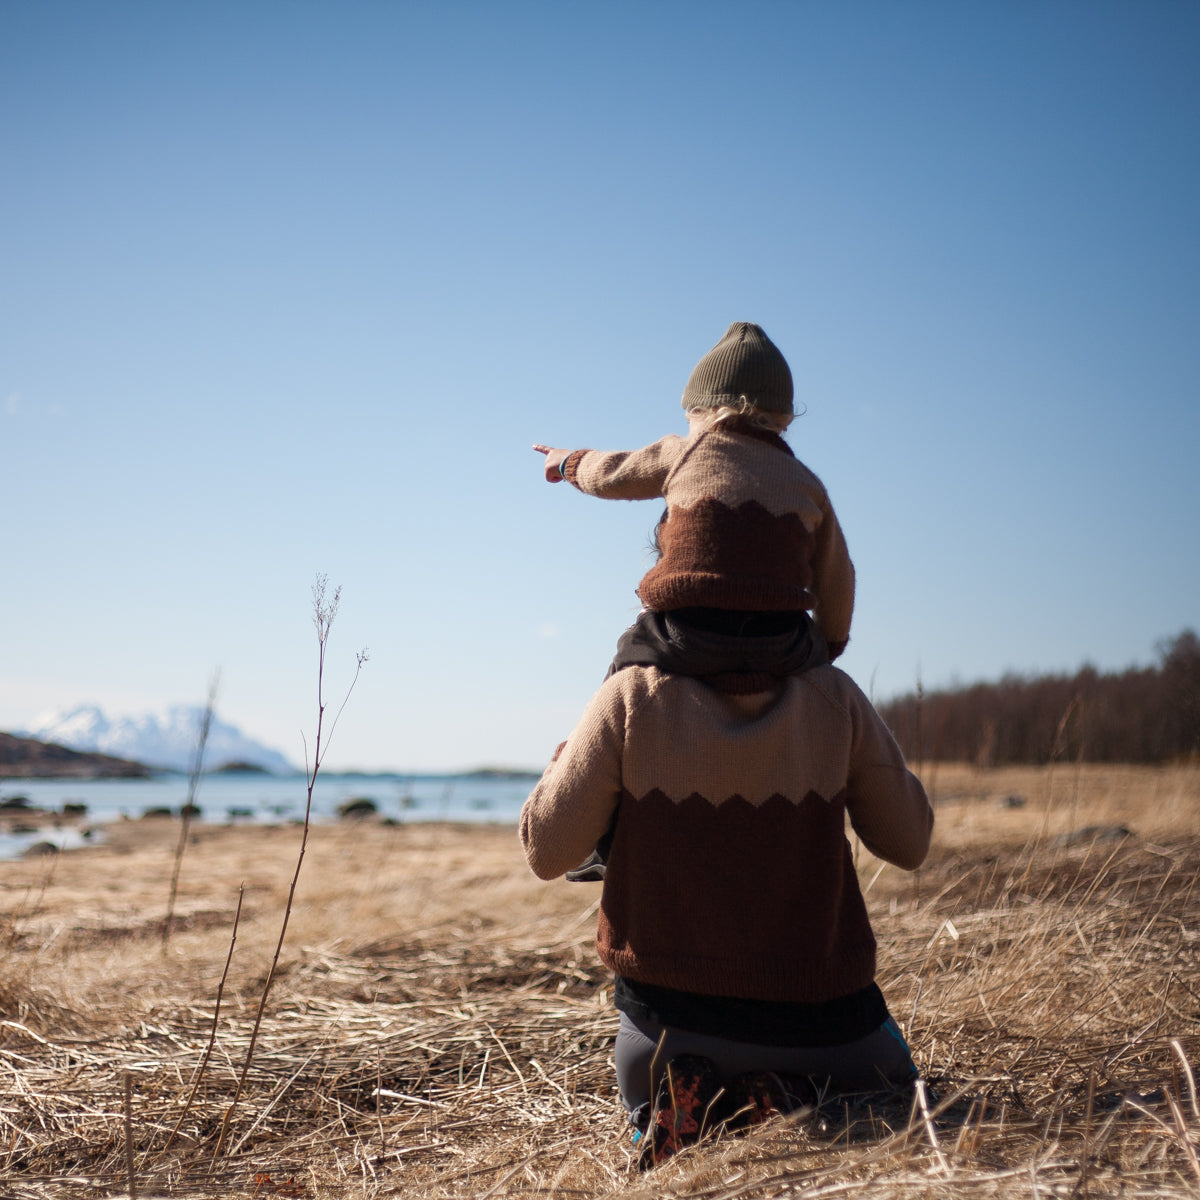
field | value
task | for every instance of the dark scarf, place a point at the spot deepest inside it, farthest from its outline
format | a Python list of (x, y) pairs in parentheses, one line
[(730, 651)]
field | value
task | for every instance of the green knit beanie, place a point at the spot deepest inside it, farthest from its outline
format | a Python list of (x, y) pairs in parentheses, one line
[(745, 362)]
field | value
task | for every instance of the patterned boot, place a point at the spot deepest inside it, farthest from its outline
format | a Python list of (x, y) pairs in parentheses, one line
[(758, 1096), (682, 1108)]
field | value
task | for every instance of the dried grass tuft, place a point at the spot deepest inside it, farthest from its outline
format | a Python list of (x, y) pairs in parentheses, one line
[(439, 1024)]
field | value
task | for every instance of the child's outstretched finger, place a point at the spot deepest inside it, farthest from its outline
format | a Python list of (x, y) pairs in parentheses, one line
[(554, 459)]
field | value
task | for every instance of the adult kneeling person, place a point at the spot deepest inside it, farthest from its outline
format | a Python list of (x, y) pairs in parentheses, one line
[(731, 912)]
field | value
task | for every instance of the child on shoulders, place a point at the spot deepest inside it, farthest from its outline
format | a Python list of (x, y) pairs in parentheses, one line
[(749, 544)]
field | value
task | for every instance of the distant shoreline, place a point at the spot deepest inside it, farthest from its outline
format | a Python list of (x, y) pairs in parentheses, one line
[(60, 809), (27, 758)]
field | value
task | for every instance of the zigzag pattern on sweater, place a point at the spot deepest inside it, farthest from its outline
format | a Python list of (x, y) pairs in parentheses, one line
[(723, 832), (759, 808), (743, 558)]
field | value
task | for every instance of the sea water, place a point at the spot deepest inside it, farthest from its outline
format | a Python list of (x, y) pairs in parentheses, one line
[(252, 797)]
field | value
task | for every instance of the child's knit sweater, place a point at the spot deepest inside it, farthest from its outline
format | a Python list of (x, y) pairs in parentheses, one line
[(749, 527), (730, 873)]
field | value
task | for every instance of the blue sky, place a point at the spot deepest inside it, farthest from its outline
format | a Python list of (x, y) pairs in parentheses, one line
[(292, 288)]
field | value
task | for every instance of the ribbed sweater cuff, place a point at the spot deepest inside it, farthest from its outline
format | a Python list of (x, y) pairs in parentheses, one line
[(570, 466)]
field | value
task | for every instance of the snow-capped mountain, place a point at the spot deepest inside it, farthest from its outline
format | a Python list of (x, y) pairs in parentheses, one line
[(166, 739)]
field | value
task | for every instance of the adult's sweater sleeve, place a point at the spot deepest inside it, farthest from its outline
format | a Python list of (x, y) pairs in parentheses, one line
[(833, 581), (573, 803), (624, 474), (888, 806)]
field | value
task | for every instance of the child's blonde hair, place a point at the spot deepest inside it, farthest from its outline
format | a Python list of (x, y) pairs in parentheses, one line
[(744, 409)]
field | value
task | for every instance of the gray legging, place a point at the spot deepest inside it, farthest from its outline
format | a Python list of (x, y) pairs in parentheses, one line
[(879, 1060)]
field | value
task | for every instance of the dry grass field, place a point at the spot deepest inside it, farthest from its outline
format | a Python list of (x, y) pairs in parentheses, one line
[(439, 1024)]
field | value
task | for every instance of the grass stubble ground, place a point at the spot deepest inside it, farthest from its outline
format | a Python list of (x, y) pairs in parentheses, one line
[(440, 1025)]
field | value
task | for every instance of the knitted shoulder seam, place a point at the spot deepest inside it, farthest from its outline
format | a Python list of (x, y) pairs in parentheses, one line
[(826, 504), (632, 708), (811, 678), (688, 451)]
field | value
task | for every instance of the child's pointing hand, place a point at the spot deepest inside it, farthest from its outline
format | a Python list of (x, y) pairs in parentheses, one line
[(554, 461)]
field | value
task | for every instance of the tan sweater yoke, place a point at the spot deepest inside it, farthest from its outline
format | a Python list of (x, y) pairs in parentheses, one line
[(749, 527), (730, 872)]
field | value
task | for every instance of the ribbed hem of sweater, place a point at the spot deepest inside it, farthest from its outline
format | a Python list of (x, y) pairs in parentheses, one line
[(664, 589), (756, 978)]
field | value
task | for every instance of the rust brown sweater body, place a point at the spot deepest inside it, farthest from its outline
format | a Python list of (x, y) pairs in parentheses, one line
[(730, 873), (749, 527)]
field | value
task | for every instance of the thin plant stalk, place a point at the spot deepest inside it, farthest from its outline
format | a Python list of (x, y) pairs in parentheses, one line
[(190, 804), (130, 1169), (212, 1034), (1055, 753), (324, 612)]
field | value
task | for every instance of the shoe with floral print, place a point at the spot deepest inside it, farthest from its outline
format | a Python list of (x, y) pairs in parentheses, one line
[(683, 1108)]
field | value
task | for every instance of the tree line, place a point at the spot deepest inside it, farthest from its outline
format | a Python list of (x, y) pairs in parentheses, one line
[(1141, 715)]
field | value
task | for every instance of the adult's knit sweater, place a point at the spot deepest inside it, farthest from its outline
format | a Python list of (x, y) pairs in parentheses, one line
[(730, 872), (749, 527)]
